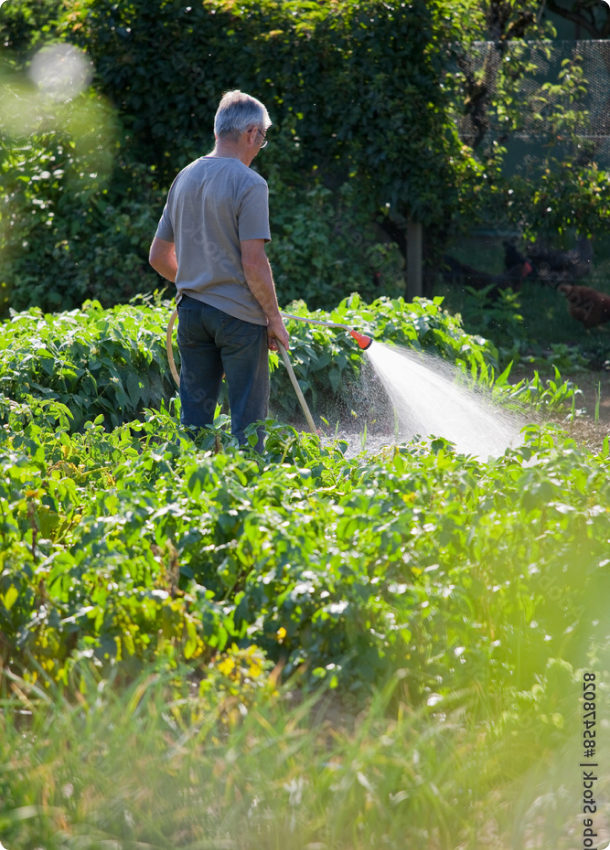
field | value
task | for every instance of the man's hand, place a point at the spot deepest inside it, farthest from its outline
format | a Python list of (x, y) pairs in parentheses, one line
[(277, 332)]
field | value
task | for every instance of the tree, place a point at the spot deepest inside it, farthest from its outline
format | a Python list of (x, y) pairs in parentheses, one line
[(498, 97), (379, 111), (589, 15)]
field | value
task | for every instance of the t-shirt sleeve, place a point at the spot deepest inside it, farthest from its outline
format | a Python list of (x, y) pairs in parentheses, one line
[(253, 214), (165, 229)]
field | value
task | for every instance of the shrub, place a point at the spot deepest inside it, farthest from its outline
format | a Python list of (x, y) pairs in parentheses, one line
[(114, 362)]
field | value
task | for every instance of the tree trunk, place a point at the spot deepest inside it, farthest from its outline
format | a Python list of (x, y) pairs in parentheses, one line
[(414, 287)]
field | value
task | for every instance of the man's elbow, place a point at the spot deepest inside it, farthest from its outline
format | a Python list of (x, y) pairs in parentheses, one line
[(153, 256)]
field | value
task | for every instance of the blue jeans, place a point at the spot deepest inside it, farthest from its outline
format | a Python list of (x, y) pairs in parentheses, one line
[(212, 343)]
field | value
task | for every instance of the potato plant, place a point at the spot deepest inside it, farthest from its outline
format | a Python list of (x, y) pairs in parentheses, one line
[(130, 545), (113, 362)]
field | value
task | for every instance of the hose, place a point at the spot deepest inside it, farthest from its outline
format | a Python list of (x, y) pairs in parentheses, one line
[(170, 348), (297, 388), (315, 322), (363, 341)]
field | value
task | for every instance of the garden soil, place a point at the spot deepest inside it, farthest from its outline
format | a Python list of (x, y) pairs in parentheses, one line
[(585, 429)]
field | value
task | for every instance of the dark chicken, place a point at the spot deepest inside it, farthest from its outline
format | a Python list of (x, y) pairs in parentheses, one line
[(550, 265)]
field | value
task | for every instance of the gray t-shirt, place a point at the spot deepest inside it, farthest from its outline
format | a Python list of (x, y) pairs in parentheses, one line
[(213, 205)]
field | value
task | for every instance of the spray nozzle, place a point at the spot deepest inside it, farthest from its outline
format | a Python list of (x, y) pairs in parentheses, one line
[(363, 341)]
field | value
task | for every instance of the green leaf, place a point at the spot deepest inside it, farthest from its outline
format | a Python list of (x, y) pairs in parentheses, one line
[(10, 597)]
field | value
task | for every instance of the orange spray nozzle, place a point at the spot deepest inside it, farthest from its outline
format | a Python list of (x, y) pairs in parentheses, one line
[(363, 341)]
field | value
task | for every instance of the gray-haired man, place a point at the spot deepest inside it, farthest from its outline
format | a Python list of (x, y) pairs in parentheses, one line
[(211, 243)]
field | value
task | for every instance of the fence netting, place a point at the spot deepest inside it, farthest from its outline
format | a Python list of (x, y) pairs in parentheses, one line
[(543, 60)]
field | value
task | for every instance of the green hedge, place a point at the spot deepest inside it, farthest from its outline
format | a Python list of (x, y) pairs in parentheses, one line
[(84, 186)]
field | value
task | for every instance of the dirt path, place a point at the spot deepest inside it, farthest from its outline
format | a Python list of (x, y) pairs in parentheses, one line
[(591, 428)]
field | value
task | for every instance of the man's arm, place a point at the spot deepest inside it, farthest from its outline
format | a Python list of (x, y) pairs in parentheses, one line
[(162, 258), (260, 280)]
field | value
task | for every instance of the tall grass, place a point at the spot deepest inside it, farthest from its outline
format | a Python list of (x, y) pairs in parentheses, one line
[(156, 765)]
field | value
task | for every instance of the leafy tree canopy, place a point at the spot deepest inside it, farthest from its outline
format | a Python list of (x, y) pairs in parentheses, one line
[(354, 89), (366, 98)]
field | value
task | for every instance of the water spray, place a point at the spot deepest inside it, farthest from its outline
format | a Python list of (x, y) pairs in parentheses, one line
[(363, 341)]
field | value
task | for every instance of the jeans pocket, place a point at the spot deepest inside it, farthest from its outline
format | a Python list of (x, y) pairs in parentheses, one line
[(185, 318), (237, 331)]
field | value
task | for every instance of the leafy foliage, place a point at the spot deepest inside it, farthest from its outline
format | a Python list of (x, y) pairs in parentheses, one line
[(465, 595), (353, 116), (134, 546), (114, 362), (63, 241), (26, 25), (60, 222), (96, 362), (324, 247)]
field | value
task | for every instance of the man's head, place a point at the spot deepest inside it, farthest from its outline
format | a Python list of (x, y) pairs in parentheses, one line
[(240, 113)]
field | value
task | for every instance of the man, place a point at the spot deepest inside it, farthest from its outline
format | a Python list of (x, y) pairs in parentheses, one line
[(211, 243)]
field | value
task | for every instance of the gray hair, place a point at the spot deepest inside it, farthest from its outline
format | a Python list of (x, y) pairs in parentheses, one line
[(237, 112)]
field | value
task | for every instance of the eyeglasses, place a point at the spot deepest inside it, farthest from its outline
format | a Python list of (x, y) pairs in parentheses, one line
[(265, 141)]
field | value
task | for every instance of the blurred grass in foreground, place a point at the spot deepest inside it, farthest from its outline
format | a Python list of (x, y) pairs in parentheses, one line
[(156, 765)]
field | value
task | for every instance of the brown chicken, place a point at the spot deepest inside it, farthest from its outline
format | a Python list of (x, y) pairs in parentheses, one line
[(587, 305)]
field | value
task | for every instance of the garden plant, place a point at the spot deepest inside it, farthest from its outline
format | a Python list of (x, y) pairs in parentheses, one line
[(170, 611), (337, 643)]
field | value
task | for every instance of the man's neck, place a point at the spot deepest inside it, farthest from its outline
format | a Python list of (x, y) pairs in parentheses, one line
[(229, 151)]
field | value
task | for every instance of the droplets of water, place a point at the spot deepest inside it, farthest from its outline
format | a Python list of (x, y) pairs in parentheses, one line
[(429, 402)]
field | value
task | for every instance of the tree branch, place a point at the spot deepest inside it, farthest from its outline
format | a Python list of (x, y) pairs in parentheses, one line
[(518, 27), (578, 18)]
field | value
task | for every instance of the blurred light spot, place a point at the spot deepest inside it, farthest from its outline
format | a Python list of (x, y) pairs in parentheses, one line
[(61, 71)]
